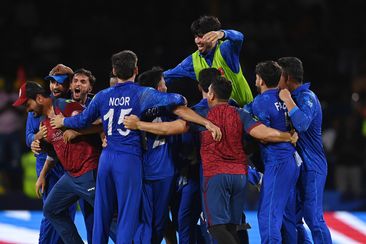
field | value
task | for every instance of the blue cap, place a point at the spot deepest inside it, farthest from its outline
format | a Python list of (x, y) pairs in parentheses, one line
[(58, 78)]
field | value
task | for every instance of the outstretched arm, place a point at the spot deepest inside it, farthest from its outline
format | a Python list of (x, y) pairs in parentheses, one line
[(178, 126), (72, 134), (262, 132), (184, 69), (189, 115), (268, 134)]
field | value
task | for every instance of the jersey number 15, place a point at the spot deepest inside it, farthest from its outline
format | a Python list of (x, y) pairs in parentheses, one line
[(109, 116)]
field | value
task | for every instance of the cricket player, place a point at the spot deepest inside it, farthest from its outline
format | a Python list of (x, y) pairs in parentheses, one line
[(79, 159), (59, 87), (281, 169), (306, 116), (218, 49)]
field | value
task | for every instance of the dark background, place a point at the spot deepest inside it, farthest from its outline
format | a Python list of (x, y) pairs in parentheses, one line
[(329, 36)]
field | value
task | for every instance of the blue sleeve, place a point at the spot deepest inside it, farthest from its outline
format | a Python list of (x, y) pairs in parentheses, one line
[(184, 69), (248, 121), (302, 115), (31, 128), (155, 103), (85, 118), (230, 49)]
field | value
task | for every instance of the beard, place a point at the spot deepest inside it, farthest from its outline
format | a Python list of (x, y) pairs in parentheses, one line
[(259, 89)]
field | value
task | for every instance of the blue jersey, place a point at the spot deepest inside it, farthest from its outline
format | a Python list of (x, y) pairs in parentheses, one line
[(307, 120), (230, 50), (158, 158), (113, 103), (272, 112)]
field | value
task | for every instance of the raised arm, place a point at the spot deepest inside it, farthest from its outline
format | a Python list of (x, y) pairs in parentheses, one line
[(231, 47), (184, 69)]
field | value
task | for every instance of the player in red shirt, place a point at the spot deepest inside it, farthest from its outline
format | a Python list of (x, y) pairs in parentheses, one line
[(79, 159)]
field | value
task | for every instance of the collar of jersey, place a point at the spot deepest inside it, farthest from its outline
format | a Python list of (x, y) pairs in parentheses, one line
[(124, 83), (271, 90), (301, 88)]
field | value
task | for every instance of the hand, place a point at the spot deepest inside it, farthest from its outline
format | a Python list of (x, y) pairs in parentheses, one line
[(294, 138), (36, 147), (131, 122), (61, 69), (69, 135), (57, 121), (285, 95), (212, 37), (104, 142), (40, 185), (42, 133), (215, 131)]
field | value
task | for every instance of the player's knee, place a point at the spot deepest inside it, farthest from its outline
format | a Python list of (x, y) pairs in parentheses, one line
[(48, 211)]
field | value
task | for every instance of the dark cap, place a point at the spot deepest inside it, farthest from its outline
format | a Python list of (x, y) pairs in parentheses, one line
[(29, 90)]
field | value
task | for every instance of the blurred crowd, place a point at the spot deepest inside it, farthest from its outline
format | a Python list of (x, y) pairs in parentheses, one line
[(328, 36)]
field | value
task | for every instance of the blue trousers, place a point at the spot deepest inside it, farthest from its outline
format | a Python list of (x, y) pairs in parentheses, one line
[(224, 198), (279, 181), (156, 196), (119, 189), (311, 196), (64, 194), (47, 233), (186, 208), (292, 225)]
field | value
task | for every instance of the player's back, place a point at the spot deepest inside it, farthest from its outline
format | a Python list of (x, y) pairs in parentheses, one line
[(158, 159), (226, 156), (116, 102), (272, 112)]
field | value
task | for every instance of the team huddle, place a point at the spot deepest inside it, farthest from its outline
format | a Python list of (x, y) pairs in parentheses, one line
[(133, 153)]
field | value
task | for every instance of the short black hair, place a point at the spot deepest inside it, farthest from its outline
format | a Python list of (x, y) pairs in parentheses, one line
[(151, 78), (206, 76), (205, 24), (270, 72), (292, 66), (32, 89), (222, 88), (87, 73), (124, 64)]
